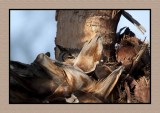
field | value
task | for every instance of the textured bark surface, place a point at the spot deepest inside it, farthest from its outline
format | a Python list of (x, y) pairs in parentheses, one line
[(74, 27), (50, 81)]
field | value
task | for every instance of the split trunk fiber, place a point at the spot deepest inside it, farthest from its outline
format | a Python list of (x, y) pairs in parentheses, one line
[(75, 27)]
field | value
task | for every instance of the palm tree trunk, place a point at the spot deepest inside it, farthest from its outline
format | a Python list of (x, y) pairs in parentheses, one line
[(74, 27)]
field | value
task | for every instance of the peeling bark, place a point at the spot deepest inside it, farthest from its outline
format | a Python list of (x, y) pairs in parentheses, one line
[(75, 27)]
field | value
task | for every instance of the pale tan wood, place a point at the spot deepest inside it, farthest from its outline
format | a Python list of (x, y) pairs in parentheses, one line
[(75, 27)]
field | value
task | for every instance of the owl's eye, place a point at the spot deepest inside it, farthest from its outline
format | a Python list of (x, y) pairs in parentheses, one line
[(71, 57)]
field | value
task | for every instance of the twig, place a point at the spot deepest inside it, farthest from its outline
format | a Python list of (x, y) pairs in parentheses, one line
[(138, 57)]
